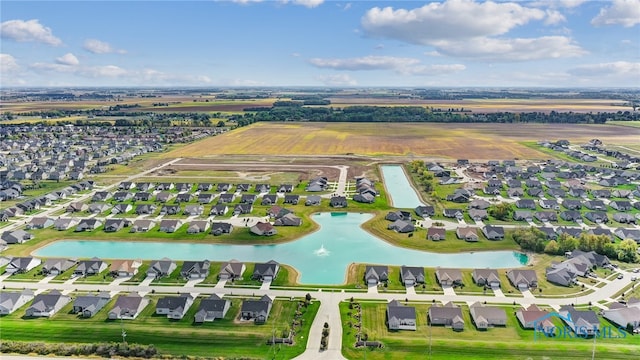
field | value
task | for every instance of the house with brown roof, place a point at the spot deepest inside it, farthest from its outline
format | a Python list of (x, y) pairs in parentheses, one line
[(449, 315), (263, 229), (436, 233), (449, 277), (124, 268)]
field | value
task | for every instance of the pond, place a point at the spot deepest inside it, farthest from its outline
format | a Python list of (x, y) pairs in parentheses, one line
[(321, 257), (402, 194)]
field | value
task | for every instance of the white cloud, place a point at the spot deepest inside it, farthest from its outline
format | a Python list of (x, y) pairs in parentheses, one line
[(100, 47), (453, 19), (519, 49), (30, 30), (554, 17), (364, 63), (432, 70), (295, 54), (8, 64), (306, 3), (347, 6), (621, 12), (554, 4), (337, 80), (616, 68), (433, 53), (68, 59)]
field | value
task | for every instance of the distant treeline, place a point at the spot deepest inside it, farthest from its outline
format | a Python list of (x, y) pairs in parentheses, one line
[(292, 111)]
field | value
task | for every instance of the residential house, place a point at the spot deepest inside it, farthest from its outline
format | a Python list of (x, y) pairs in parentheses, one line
[(124, 268), (338, 202), (526, 204), (266, 272), (400, 317), (262, 188), (39, 223), (142, 225), (62, 224), (219, 228), (183, 187), (493, 232), (195, 269), (546, 216), (242, 209), (161, 268), (56, 266), (595, 205), (243, 187), (560, 276), (77, 207), (571, 215), (485, 317), (89, 305), (376, 274), (88, 224), (218, 210), (448, 315), (11, 301), (19, 265), (549, 204), (581, 322), (198, 226), (288, 220), (256, 310), (244, 199), (598, 217), (411, 275), (285, 188), (436, 233), (572, 204), (46, 305), (624, 218), (169, 225), (626, 317), (231, 270), (115, 224), (193, 210), (291, 199), (269, 199), (402, 226), (164, 196), (122, 196), (312, 200), (449, 277), (142, 196), (223, 187), (425, 211), (478, 215), (486, 277), (90, 267), (317, 184), (454, 213), (469, 234), (205, 198), (183, 197), (173, 209), (263, 229), (165, 186), (621, 205), (523, 279), (128, 307), (121, 209), (145, 209), (15, 237), (532, 317), (175, 307), (212, 308)]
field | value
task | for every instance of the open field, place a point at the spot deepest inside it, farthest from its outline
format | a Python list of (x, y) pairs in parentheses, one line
[(473, 141), (225, 337), (494, 105)]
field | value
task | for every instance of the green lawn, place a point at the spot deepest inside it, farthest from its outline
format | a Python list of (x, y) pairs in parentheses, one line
[(222, 338)]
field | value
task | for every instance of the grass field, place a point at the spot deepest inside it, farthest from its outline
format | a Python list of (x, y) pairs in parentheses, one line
[(510, 342), (472, 141), (222, 338)]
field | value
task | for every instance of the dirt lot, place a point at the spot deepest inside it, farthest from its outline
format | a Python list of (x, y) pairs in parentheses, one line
[(472, 141)]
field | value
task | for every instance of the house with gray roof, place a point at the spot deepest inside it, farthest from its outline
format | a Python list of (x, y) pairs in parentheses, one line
[(411, 275), (170, 209), (219, 228), (212, 308), (56, 266), (523, 215), (16, 236), (581, 322), (256, 310), (338, 201), (625, 316), (312, 200), (523, 279), (621, 205), (266, 271), (121, 208), (485, 317), (193, 210), (220, 209), (62, 224), (169, 225), (375, 274), (478, 214), (20, 265), (122, 196), (291, 199), (401, 226), (493, 232), (486, 277), (175, 307), (526, 204), (128, 307), (469, 234), (205, 198), (242, 209), (449, 315), (161, 268), (425, 210), (88, 305), (560, 276), (77, 207), (449, 277), (142, 225), (571, 215), (11, 301), (115, 224), (164, 196), (195, 269), (288, 219), (90, 267), (88, 224), (598, 217), (97, 208), (400, 317), (198, 226), (624, 218), (46, 305), (231, 270), (145, 209), (39, 223)]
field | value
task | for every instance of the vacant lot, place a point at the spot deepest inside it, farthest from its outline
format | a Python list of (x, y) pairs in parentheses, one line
[(474, 141)]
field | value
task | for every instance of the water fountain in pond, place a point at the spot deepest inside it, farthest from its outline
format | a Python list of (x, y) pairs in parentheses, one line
[(322, 251)]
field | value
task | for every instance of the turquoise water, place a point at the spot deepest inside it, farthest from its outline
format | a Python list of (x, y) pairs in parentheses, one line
[(321, 257), (398, 187)]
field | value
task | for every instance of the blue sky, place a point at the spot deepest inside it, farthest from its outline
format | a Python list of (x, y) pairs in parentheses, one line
[(549, 43)]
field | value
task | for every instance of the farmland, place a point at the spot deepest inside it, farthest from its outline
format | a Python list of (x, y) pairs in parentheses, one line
[(474, 141)]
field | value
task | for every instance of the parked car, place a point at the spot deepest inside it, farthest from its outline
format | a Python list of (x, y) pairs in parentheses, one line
[(620, 276)]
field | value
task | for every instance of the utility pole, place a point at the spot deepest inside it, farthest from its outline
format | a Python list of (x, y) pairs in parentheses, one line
[(124, 333)]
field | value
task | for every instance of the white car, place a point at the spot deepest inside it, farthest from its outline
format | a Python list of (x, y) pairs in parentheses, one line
[(620, 276), (633, 278)]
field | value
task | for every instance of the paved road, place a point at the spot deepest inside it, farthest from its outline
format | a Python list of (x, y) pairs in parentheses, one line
[(329, 311)]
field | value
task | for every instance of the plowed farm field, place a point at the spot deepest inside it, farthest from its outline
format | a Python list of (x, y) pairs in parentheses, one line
[(472, 141)]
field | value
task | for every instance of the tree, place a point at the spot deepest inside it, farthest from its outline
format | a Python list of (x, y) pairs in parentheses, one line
[(220, 124), (501, 211), (627, 251), (552, 248), (567, 242)]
